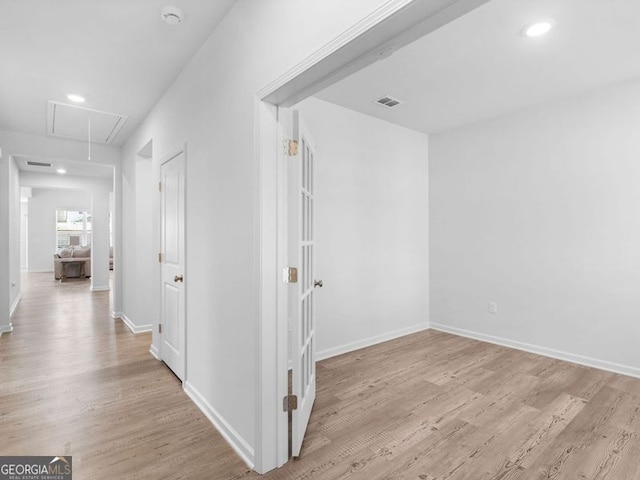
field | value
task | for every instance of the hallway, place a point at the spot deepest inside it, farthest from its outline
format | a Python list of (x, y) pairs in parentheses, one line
[(76, 382)]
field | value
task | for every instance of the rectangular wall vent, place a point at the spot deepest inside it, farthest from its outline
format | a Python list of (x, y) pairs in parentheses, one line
[(38, 164), (388, 101)]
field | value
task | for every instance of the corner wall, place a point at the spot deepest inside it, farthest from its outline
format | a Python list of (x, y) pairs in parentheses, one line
[(540, 212), (372, 228), (5, 273), (15, 290), (141, 272)]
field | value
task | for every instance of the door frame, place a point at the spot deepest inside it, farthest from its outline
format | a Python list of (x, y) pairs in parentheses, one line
[(156, 340), (392, 26)]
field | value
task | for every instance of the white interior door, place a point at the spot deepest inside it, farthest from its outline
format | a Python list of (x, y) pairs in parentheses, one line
[(302, 255), (172, 326)]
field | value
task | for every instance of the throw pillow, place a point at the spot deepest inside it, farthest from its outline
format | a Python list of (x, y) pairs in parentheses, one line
[(83, 252), (65, 253)]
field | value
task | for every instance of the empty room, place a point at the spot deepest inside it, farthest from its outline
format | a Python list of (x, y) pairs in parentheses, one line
[(391, 239)]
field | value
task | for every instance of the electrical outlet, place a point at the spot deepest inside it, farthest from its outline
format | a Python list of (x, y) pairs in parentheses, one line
[(493, 307)]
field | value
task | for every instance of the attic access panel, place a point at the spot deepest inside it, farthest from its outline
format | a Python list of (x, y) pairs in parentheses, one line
[(71, 121)]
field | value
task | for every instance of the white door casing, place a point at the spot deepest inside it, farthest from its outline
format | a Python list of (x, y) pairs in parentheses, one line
[(173, 307), (302, 255)]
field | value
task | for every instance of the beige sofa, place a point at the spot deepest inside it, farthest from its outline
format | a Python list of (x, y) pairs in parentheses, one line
[(67, 255), (64, 266)]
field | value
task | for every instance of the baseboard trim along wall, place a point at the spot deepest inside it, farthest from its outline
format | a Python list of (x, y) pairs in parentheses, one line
[(103, 288), (232, 437), (15, 305), (130, 325), (153, 350), (6, 329), (367, 342), (547, 352)]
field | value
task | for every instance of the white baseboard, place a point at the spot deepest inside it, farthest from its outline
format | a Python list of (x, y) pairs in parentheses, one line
[(367, 342), (6, 329), (153, 350), (102, 288), (130, 325), (15, 305), (232, 437), (547, 352), (136, 328)]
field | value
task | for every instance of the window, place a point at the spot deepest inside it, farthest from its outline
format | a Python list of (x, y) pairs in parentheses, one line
[(73, 228)]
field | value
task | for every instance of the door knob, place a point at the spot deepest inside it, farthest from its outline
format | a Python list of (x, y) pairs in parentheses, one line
[(317, 283), (178, 278)]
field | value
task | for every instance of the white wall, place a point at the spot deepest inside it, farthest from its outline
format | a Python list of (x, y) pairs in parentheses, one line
[(140, 305), (14, 236), (146, 250), (9, 239), (210, 107), (42, 223), (5, 273), (372, 228), (24, 215), (17, 143), (128, 305), (100, 239), (540, 212)]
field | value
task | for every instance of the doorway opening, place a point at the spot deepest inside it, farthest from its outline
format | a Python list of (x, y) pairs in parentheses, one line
[(393, 29), (73, 244)]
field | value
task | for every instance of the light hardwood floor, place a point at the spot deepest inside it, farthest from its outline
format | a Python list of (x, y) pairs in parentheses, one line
[(427, 406)]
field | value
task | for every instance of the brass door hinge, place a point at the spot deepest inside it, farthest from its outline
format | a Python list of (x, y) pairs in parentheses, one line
[(159, 186), (290, 275), (160, 257), (289, 403), (291, 148), (159, 328)]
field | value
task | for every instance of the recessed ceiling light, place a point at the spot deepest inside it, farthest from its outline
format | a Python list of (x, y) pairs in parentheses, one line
[(537, 29), (61, 171), (75, 98), (172, 15)]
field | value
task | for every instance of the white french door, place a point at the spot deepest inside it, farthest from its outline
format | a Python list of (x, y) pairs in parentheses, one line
[(302, 255), (173, 310)]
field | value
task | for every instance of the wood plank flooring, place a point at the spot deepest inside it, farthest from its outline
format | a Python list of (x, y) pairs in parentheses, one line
[(427, 406)]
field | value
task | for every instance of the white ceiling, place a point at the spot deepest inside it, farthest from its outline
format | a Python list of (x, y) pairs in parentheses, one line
[(122, 57), (480, 66), (118, 54)]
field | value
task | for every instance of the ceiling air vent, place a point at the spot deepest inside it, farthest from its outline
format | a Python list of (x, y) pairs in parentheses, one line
[(38, 164), (388, 101)]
